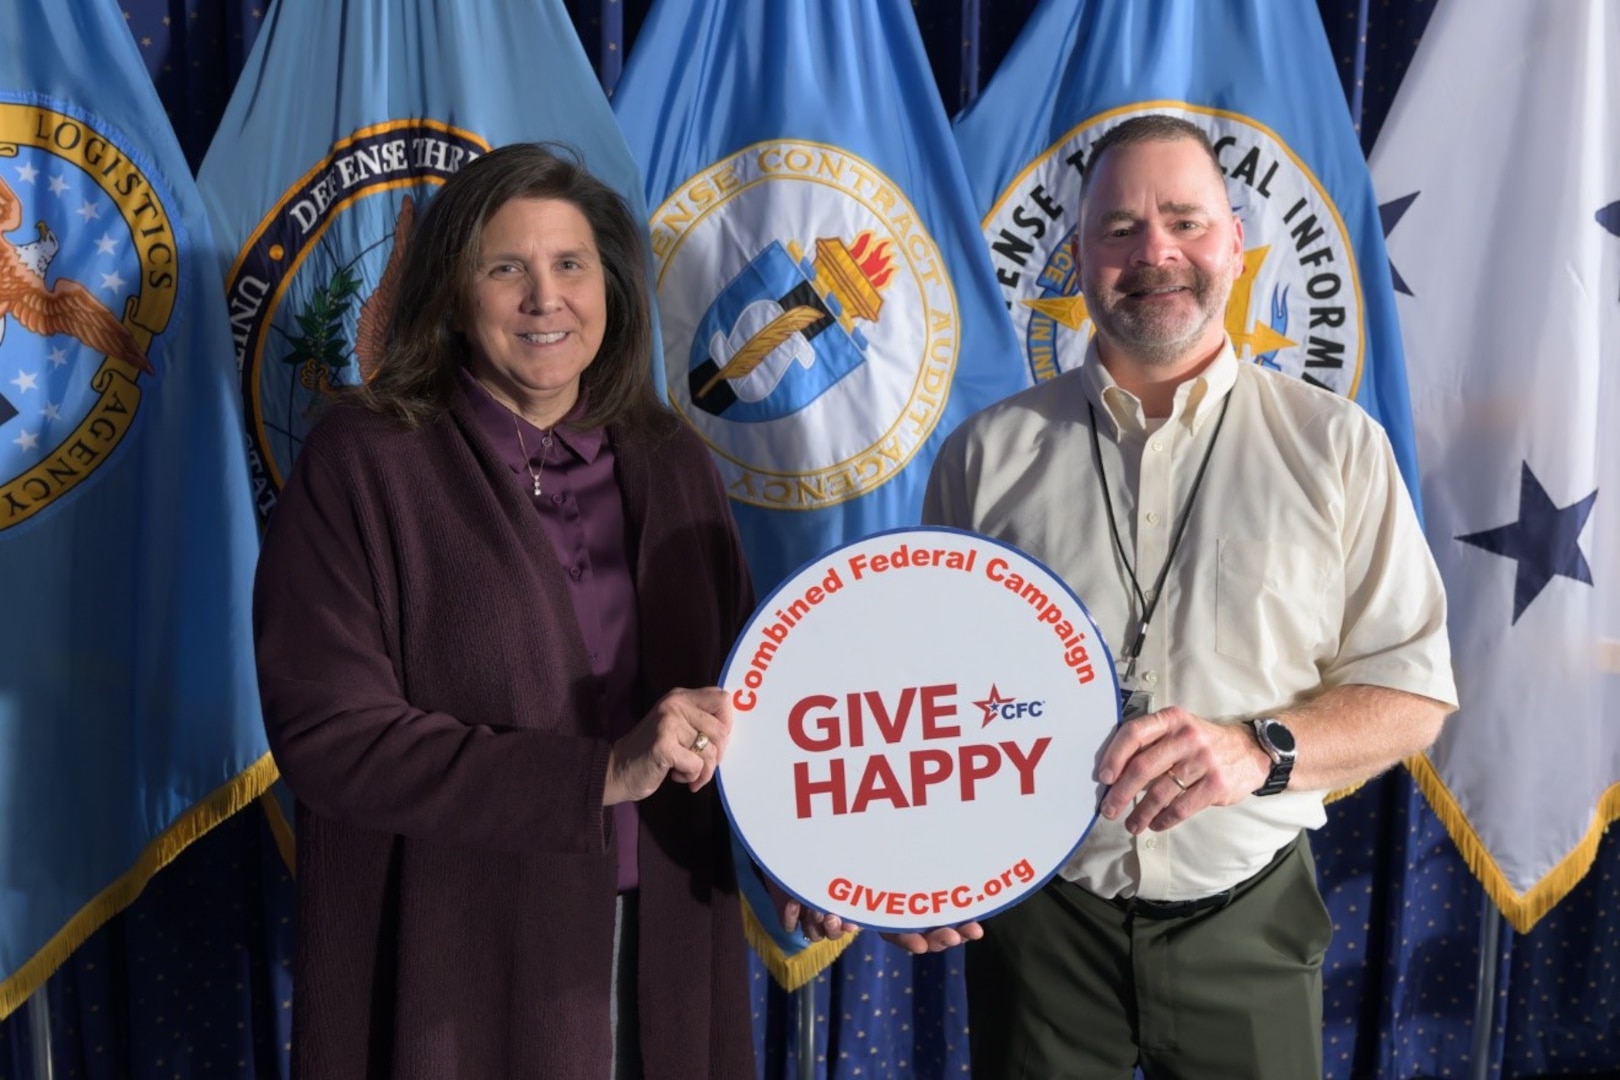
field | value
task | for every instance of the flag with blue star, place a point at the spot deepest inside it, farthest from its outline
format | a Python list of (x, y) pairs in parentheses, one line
[(1511, 322), (129, 711)]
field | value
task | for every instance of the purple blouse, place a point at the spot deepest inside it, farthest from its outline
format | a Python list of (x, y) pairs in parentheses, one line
[(582, 512)]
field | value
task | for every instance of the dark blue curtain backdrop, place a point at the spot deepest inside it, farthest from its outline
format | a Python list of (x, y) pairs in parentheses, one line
[(193, 979)]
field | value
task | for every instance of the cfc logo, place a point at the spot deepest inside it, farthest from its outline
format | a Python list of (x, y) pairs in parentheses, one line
[(996, 707)]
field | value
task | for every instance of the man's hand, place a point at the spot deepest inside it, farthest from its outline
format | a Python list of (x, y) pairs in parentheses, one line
[(1179, 764), (936, 940)]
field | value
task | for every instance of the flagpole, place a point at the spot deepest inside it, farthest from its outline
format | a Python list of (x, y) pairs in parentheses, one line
[(807, 1030), (39, 1034), (967, 86), (1490, 940)]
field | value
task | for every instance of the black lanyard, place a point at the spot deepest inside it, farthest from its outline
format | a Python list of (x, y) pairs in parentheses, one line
[(1148, 606)]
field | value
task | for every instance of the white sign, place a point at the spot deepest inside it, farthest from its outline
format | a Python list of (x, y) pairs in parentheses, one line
[(916, 720)]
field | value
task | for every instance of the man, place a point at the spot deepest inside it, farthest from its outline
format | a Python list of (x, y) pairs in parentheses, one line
[(1245, 544)]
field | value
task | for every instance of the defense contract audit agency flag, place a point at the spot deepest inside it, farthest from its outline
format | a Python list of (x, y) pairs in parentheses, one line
[(129, 716), (827, 307), (346, 117), (1500, 162), (1314, 299)]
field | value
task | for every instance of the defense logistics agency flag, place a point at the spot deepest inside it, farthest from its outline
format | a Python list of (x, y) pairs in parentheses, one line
[(828, 311), (1314, 299), (1502, 153), (129, 720), (347, 116)]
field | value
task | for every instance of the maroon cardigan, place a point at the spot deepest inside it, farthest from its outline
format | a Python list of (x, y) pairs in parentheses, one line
[(429, 700)]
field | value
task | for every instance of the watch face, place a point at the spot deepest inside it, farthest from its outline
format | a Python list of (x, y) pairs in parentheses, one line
[(1280, 737)]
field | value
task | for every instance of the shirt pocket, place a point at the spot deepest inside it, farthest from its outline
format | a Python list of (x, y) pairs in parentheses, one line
[(1271, 600)]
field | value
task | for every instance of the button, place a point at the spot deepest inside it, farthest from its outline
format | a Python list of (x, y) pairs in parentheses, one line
[(574, 572), (1150, 677), (1157, 444), (557, 500), (1150, 843), (1152, 517)]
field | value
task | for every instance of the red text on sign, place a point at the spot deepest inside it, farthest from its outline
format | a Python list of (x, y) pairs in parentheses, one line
[(923, 904)]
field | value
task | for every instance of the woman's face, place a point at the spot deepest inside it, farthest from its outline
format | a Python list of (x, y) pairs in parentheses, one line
[(537, 306)]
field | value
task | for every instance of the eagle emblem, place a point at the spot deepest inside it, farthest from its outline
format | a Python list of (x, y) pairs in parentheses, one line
[(68, 307)]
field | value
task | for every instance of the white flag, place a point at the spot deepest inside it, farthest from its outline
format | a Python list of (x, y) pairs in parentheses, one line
[(1499, 171)]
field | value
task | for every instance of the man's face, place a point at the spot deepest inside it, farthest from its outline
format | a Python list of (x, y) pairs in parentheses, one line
[(1159, 250)]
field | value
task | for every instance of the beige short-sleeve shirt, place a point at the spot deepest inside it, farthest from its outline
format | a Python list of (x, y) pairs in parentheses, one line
[(1303, 567)]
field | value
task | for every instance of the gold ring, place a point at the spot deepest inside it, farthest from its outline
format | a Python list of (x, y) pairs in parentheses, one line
[(700, 744), (1175, 779)]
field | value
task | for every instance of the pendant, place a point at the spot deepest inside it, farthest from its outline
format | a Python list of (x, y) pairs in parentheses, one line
[(537, 487)]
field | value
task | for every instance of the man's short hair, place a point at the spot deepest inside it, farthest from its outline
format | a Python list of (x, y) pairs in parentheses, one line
[(1154, 127)]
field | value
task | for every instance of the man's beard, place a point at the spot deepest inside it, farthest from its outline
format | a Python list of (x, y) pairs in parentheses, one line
[(1153, 333)]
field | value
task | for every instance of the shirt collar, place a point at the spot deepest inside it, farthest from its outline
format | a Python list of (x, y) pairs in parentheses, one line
[(1191, 406), (500, 426)]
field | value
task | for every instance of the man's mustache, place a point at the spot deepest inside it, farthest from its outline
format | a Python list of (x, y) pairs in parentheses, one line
[(1138, 280)]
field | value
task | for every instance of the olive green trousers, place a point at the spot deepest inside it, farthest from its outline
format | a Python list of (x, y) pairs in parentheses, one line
[(1067, 986)]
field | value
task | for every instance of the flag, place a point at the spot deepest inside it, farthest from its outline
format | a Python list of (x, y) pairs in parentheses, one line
[(129, 717), (1500, 161), (828, 310), (1314, 298), (346, 117)]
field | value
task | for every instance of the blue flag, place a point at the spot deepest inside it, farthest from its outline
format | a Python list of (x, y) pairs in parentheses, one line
[(828, 310), (346, 117), (129, 716), (1315, 297)]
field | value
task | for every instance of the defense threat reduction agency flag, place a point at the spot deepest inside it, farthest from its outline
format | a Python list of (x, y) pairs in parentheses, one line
[(1511, 316), (1314, 299), (392, 96), (129, 717), (828, 312)]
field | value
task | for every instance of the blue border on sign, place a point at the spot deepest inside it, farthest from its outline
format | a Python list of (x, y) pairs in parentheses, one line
[(818, 561)]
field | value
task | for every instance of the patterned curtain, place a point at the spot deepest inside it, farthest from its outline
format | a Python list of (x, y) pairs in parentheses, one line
[(193, 979)]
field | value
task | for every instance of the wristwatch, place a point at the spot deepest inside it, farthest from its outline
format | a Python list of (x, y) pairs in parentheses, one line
[(1278, 743)]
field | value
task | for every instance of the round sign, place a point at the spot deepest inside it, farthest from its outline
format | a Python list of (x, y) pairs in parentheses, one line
[(916, 718)]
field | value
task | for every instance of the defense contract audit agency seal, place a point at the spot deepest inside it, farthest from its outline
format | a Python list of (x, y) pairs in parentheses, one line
[(1297, 307), (89, 276), (916, 718), (810, 326)]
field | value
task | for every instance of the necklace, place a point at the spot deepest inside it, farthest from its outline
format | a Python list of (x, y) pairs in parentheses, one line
[(545, 453)]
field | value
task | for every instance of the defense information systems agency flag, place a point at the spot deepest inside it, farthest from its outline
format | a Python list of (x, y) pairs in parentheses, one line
[(1314, 299), (129, 715)]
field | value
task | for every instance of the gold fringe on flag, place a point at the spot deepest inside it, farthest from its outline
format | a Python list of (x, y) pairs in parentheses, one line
[(791, 972), (189, 826), (1523, 910)]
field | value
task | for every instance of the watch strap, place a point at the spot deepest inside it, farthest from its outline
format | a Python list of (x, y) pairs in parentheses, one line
[(1282, 761)]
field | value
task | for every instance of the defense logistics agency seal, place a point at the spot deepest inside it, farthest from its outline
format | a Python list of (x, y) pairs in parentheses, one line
[(810, 326), (311, 288), (89, 274), (1297, 306)]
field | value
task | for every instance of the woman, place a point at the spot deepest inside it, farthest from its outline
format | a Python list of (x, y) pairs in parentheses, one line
[(480, 594)]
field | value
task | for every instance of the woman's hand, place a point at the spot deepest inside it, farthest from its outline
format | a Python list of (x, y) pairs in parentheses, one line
[(683, 737), (816, 925)]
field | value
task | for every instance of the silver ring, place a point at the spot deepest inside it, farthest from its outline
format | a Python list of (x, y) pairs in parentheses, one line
[(1176, 779), (700, 744)]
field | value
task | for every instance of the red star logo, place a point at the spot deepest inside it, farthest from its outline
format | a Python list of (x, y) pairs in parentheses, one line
[(992, 704)]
